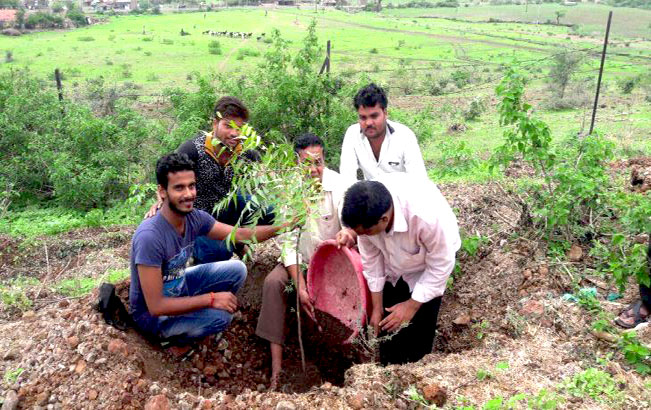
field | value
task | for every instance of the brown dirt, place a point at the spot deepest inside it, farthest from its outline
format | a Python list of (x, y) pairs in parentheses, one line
[(509, 291)]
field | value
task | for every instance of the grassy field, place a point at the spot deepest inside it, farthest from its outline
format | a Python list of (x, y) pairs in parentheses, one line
[(406, 54), (591, 18)]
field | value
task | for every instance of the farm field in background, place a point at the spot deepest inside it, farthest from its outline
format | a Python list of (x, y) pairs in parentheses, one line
[(407, 55)]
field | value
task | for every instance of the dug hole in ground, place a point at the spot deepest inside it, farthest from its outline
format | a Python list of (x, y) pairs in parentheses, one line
[(504, 329)]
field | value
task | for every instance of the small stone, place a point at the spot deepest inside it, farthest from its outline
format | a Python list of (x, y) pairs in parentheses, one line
[(92, 394), (285, 405), (73, 341), (575, 253), (10, 401), (158, 402), (42, 397), (206, 405), (261, 388), (527, 274), (64, 303), (118, 346), (463, 319), (532, 308), (30, 314), (543, 270), (228, 354), (356, 401), (80, 366), (209, 371), (227, 399), (10, 354), (326, 386), (222, 345), (436, 394), (223, 374)]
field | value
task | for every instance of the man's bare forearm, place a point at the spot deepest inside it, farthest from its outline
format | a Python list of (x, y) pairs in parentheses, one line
[(376, 298)]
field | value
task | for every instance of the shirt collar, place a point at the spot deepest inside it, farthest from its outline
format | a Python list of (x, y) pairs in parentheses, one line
[(399, 221), (329, 181)]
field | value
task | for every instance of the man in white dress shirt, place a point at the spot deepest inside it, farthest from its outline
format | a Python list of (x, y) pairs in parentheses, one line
[(322, 226), (375, 144), (408, 238)]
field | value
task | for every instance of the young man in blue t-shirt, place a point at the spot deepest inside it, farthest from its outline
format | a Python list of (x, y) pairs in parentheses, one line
[(169, 301)]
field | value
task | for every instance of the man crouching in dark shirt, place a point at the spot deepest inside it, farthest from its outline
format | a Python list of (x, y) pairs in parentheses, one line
[(170, 302), (212, 154)]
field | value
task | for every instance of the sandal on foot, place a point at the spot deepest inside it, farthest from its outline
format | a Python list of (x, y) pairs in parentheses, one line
[(637, 317)]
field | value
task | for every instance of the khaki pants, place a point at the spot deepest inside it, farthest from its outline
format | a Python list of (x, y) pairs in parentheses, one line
[(271, 323)]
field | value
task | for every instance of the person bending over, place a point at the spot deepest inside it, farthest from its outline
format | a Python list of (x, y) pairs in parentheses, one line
[(408, 238)]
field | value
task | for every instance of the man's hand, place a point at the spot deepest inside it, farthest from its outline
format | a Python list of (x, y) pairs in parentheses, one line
[(375, 319), (306, 302), (224, 301), (399, 313), (346, 237)]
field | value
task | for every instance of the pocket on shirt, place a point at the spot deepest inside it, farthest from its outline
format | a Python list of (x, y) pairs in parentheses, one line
[(394, 163)]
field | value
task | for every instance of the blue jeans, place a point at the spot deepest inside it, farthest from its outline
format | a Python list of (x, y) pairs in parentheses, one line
[(208, 250), (227, 276)]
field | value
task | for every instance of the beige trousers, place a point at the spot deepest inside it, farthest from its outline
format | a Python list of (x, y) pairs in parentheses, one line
[(271, 323)]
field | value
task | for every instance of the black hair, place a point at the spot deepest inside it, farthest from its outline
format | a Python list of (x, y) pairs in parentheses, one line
[(231, 107), (369, 96), (252, 155), (364, 204), (307, 140), (172, 163)]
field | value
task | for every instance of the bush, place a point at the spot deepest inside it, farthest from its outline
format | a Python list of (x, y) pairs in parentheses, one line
[(285, 95), (43, 20), (76, 159), (474, 110), (215, 47), (86, 38), (627, 85), (77, 17)]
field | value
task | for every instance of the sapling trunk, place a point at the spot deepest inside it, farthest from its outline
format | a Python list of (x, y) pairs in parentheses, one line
[(298, 301)]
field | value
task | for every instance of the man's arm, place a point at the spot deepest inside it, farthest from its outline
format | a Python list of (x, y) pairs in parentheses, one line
[(414, 163), (348, 164), (441, 241), (151, 283), (221, 231)]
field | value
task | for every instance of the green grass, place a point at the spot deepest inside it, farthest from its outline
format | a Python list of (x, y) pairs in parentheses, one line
[(77, 287), (32, 222), (12, 292), (627, 22)]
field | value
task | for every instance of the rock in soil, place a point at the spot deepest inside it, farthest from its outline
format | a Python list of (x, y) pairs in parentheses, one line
[(436, 394), (11, 401)]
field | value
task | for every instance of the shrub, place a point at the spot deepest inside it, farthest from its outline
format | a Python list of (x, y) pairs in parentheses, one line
[(247, 52), (77, 17), (86, 38), (474, 110), (373, 51), (215, 47), (461, 78), (9, 56), (80, 160), (284, 95)]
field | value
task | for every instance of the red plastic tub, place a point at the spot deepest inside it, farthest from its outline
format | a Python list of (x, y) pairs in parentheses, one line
[(336, 284)]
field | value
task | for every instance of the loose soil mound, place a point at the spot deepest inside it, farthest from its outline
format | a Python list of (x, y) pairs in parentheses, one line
[(504, 306)]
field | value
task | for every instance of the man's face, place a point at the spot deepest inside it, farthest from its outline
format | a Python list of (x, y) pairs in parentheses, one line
[(225, 133), (372, 120), (312, 158), (383, 225), (181, 191)]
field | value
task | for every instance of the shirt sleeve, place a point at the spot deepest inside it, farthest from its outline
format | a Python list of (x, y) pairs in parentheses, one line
[(205, 222), (441, 241), (188, 148), (288, 248), (148, 249), (373, 263), (348, 164), (414, 163)]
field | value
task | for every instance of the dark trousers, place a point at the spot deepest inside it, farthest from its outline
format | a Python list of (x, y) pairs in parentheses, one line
[(413, 342), (645, 291), (208, 250)]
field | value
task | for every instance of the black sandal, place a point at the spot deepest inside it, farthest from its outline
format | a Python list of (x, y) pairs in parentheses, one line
[(637, 317)]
